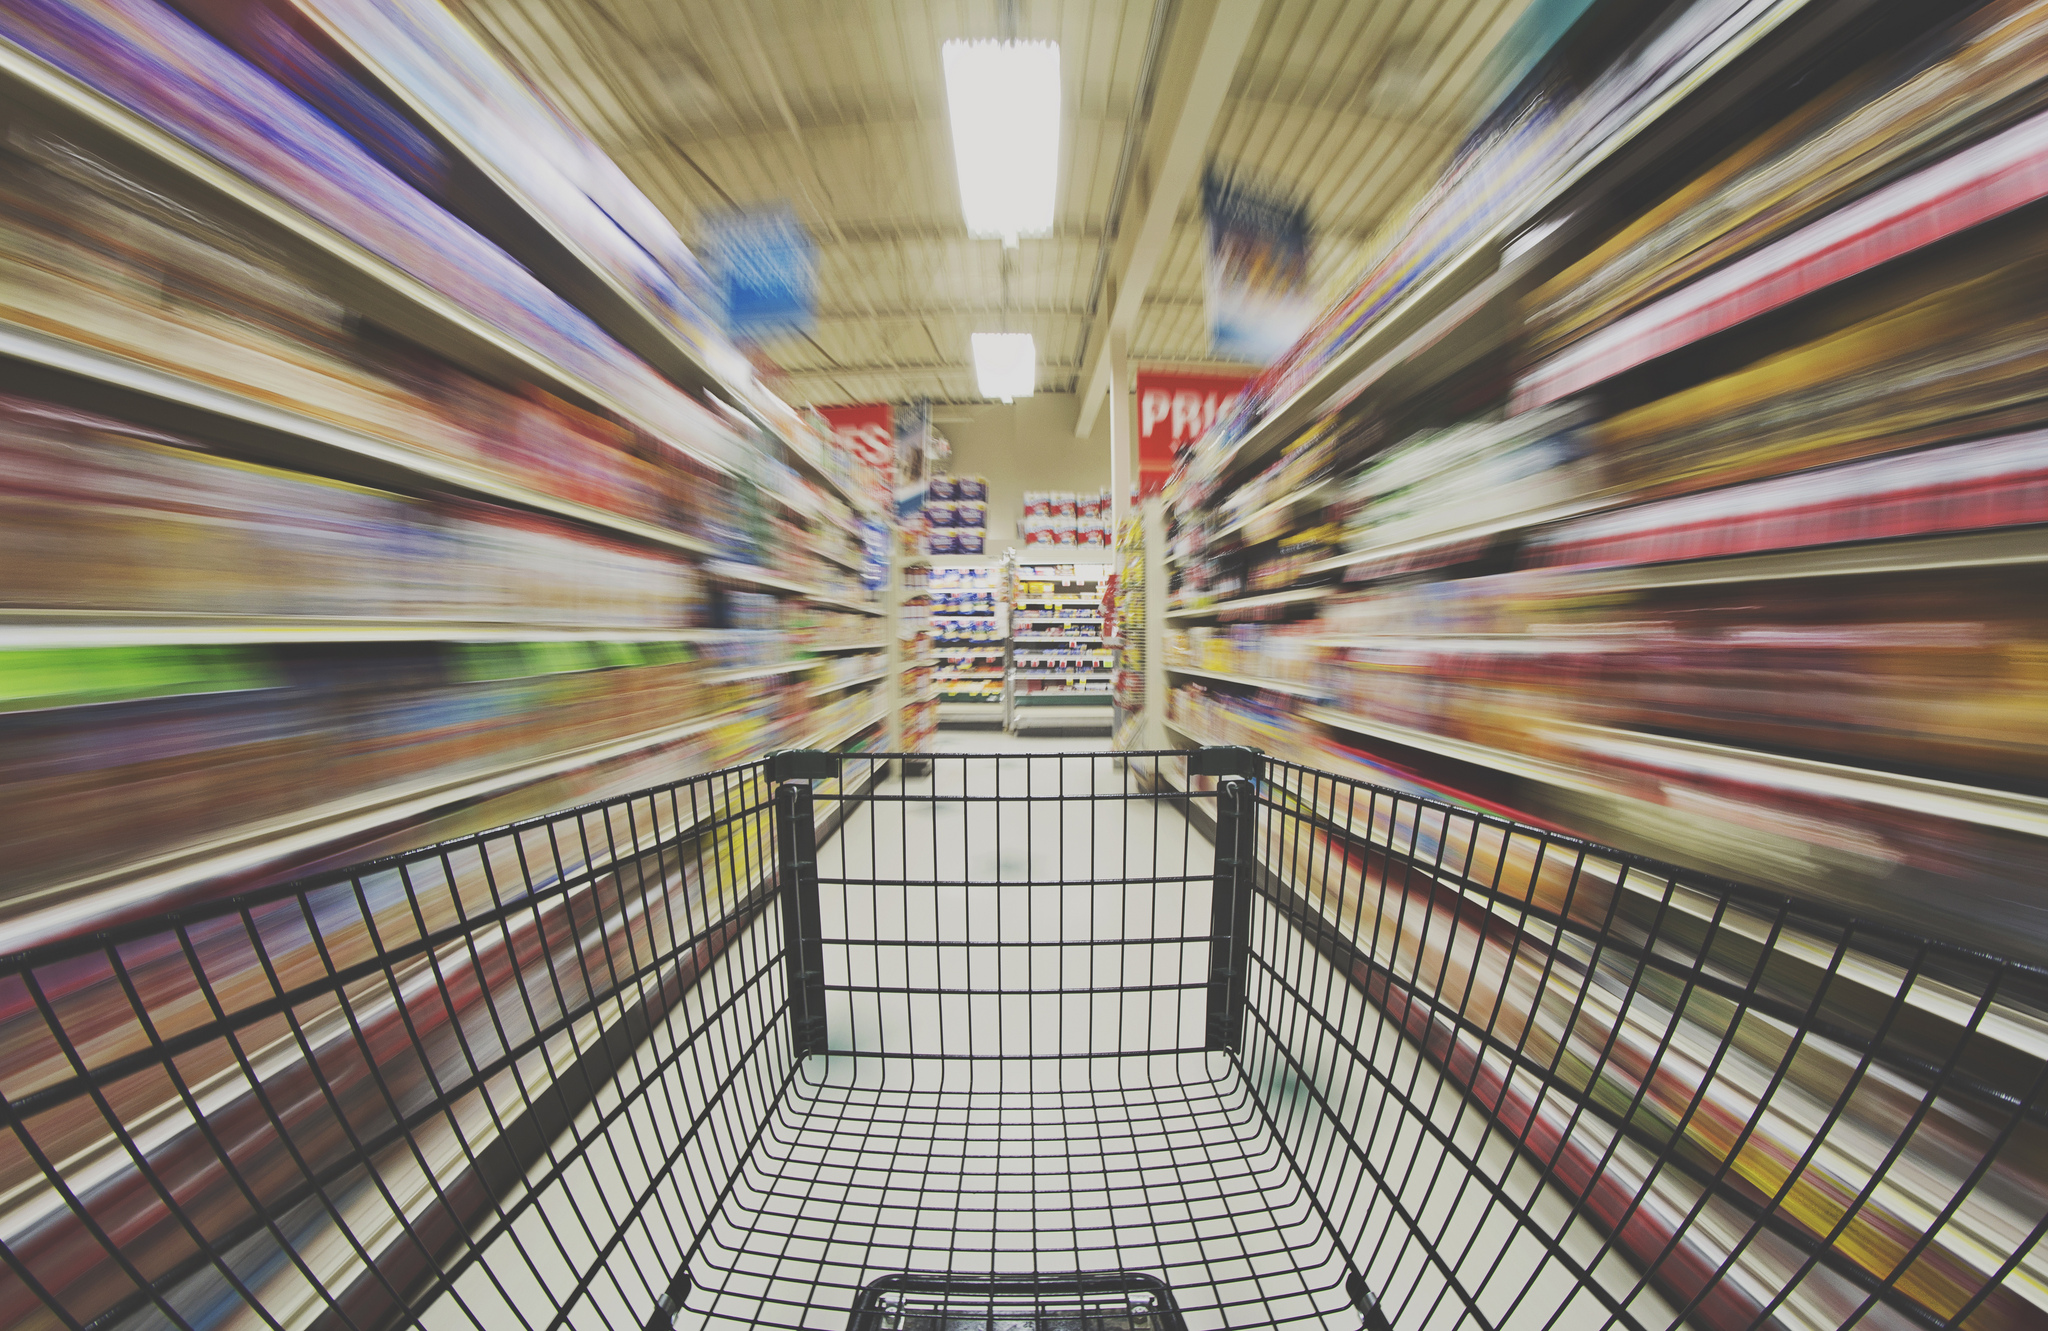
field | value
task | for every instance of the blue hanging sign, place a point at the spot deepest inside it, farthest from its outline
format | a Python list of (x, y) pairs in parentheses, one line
[(766, 269)]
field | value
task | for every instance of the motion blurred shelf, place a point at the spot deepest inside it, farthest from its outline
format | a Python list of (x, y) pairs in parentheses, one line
[(25, 629), (1491, 256), (161, 881), (1261, 601), (377, 286), (1274, 685), (751, 576), (310, 443), (836, 685)]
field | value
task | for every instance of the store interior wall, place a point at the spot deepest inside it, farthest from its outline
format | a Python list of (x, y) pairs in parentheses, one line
[(1024, 445)]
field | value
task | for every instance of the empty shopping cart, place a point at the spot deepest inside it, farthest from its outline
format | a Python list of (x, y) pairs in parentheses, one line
[(1135, 1042)]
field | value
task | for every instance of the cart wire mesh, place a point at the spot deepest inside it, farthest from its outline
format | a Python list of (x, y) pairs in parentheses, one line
[(1091, 1042)]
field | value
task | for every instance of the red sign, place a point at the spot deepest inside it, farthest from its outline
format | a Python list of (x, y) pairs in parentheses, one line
[(868, 432), (1174, 410)]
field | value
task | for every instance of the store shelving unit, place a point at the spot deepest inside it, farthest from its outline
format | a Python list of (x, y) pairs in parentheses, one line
[(729, 431), (1788, 654), (914, 660), (1058, 677), (971, 637), (1607, 541)]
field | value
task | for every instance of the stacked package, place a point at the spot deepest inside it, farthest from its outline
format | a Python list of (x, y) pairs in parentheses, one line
[(1065, 519), (956, 515)]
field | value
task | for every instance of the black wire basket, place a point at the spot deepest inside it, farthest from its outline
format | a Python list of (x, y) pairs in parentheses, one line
[(1138, 1042)]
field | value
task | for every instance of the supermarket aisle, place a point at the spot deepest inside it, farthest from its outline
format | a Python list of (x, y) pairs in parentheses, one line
[(994, 739)]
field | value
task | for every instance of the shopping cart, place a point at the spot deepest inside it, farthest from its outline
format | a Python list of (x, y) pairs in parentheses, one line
[(1140, 1042)]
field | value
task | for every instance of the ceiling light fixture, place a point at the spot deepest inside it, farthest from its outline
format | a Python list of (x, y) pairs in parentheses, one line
[(1005, 365), (1004, 98)]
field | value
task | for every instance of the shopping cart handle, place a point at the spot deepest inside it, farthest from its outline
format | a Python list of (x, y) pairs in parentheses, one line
[(802, 765), (1226, 760)]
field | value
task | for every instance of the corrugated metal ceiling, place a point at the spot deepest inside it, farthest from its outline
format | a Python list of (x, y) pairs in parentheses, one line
[(839, 109)]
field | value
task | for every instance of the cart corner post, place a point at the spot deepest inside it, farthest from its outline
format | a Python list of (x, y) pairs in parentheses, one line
[(796, 849), (1237, 770)]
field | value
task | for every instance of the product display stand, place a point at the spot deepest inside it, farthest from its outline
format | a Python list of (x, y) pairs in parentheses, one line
[(1061, 667), (1141, 682), (912, 705), (970, 617)]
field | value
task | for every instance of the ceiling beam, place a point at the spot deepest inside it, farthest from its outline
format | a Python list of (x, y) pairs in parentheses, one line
[(1194, 82)]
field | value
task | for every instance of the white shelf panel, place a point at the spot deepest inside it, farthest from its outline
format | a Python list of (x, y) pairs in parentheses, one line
[(1278, 686), (1294, 597)]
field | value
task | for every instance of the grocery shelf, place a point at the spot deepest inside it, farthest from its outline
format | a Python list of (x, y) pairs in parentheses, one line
[(856, 607), (374, 285), (752, 576), (1277, 686), (1284, 502), (1294, 597), (545, 247), (836, 685), (834, 739), (139, 628), (1455, 536), (1063, 674), (833, 649), (1430, 309), (1953, 194), (1059, 600), (155, 882), (2006, 1023), (758, 672), (1055, 619), (1481, 754), (1988, 549), (1055, 639), (309, 443), (970, 711), (816, 470), (2024, 814)]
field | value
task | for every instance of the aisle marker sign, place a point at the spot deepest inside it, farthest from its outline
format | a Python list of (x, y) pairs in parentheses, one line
[(1256, 275), (1174, 410), (867, 432), (766, 269)]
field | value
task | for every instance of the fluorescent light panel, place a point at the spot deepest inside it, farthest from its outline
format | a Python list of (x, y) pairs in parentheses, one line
[(1005, 103), (1005, 365)]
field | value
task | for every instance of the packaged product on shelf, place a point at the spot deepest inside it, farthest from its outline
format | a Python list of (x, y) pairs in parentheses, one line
[(939, 489), (971, 487), (159, 64), (181, 745), (970, 513), (77, 246), (969, 541), (101, 515)]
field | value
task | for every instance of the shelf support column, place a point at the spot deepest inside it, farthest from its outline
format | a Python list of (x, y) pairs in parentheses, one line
[(1119, 429)]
